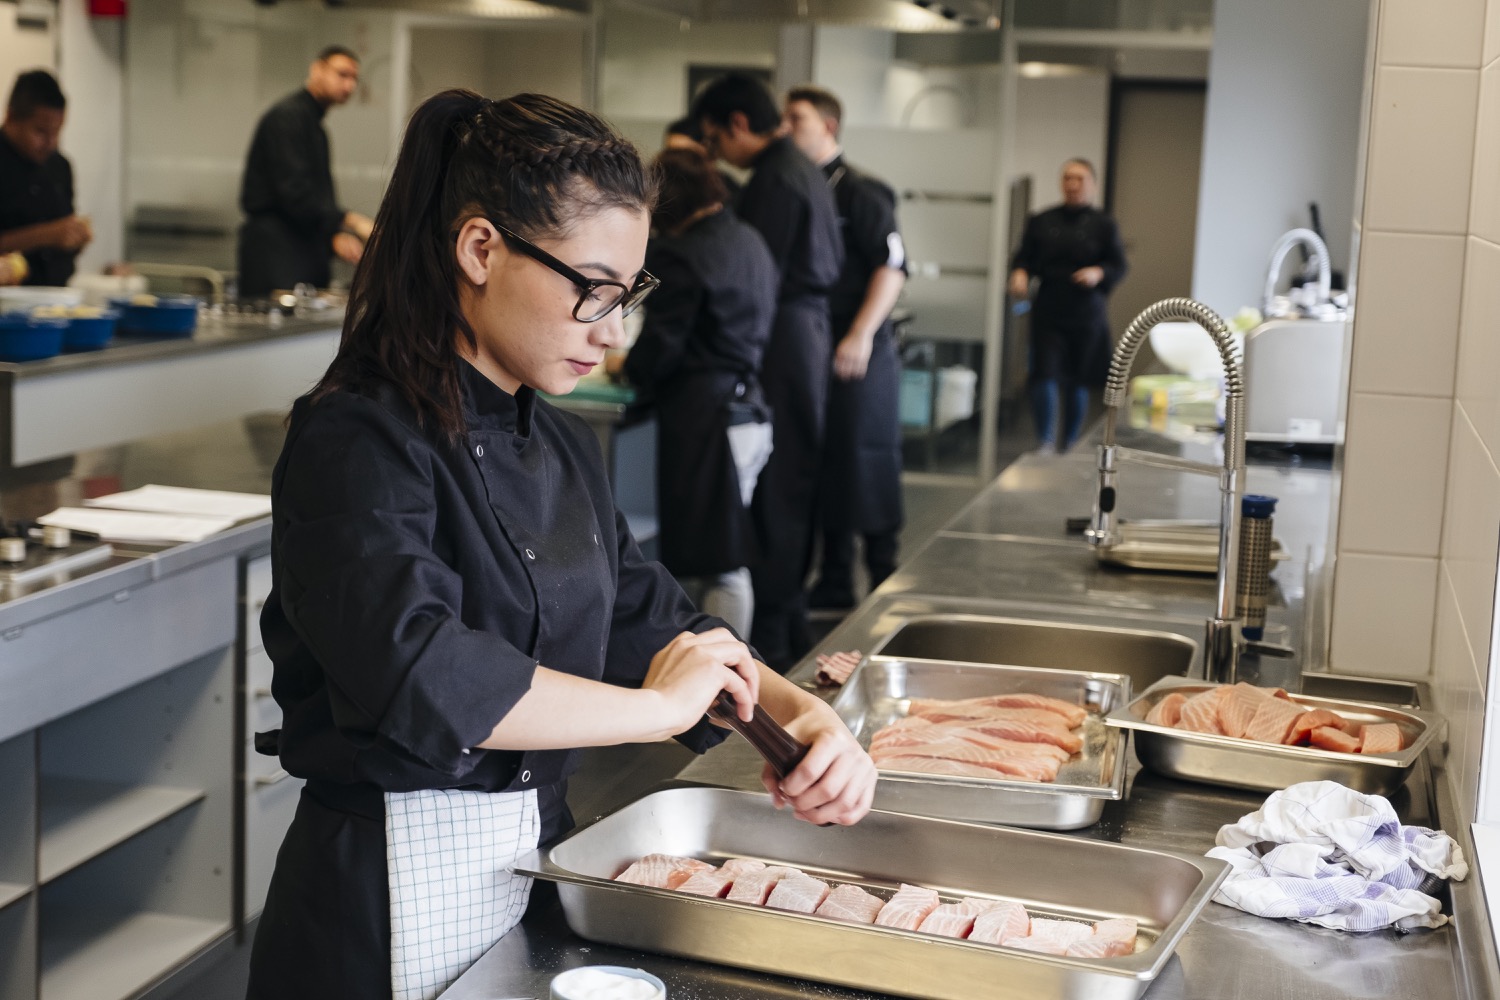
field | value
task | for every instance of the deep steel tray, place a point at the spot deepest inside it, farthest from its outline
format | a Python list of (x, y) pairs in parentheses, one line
[(1047, 873), (1251, 764), (878, 692)]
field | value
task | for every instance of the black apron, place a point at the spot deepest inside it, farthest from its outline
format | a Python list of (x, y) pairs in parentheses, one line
[(861, 489)]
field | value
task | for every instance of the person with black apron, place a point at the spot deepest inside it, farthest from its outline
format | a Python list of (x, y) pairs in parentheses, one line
[(457, 605), (294, 224), (1074, 252), (861, 488), (788, 202), (37, 219), (697, 360)]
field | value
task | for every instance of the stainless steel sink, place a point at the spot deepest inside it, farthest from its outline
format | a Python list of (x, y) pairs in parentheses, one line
[(1144, 655)]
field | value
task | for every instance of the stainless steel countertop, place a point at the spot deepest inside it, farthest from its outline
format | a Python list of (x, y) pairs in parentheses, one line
[(1009, 553)]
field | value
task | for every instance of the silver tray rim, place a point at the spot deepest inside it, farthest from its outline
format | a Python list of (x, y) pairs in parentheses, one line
[(1127, 718), (1111, 791), (1142, 966)]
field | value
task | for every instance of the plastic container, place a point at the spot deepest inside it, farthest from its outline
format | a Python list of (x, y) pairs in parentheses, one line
[(589, 983), (24, 298), (169, 316), (89, 333), (24, 338)]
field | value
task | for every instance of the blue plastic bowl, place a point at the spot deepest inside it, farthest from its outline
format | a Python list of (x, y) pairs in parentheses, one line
[(23, 338), (89, 333), (172, 316)]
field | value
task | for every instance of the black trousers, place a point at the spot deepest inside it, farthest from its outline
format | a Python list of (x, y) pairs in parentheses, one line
[(794, 378), (326, 927)]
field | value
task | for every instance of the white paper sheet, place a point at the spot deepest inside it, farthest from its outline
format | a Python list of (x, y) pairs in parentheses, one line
[(137, 526), (179, 500)]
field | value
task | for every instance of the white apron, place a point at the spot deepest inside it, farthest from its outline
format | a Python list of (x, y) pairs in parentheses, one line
[(453, 895)]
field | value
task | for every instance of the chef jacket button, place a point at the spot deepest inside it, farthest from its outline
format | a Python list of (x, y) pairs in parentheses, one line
[(530, 554), (525, 777), (479, 450), (467, 750)]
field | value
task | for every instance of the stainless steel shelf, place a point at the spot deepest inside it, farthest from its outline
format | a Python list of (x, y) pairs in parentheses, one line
[(82, 819)]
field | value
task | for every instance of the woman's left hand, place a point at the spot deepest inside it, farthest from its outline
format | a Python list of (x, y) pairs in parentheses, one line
[(835, 783)]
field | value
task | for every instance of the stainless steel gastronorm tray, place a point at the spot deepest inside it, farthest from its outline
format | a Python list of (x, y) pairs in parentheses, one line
[(878, 693), (1049, 874), (1241, 763)]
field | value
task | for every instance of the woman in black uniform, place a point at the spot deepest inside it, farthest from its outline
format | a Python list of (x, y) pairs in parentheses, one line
[(456, 603), (698, 359)]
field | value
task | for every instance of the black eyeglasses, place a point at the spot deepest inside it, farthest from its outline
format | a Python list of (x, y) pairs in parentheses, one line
[(597, 295)]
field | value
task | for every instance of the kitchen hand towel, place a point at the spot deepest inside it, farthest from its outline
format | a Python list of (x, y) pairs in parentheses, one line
[(1325, 854)]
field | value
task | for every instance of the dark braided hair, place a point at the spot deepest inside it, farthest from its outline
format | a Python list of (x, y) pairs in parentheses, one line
[(530, 163)]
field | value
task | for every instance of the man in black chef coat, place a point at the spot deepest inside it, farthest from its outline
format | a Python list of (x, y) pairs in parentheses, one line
[(861, 486), (36, 183), (1074, 252), (293, 222), (787, 200)]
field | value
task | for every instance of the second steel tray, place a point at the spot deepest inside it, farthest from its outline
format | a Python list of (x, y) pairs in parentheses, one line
[(1258, 766), (879, 693), (1051, 875)]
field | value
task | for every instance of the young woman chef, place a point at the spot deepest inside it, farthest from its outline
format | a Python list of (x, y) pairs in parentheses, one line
[(457, 605)]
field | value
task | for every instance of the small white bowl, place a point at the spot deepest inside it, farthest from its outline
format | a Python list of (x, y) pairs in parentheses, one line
[(589, 982)]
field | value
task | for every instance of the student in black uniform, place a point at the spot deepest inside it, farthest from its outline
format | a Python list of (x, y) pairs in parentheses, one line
[(1074, 252), (861, 489), (293, 222), (685, 133), (698, 359), (787, 200), (456, 602), (36, 183)]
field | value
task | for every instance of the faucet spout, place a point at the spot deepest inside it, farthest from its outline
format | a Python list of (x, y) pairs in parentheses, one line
[(1289, 239), (1223, 633)]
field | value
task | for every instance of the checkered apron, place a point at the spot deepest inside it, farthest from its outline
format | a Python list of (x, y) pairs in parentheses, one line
[(453, 895)]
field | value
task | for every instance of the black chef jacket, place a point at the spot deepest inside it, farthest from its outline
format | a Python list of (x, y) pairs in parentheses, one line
[(287, 195), (788, 202), (31, 193), (698, 354), (1069, 323), (861, 481)]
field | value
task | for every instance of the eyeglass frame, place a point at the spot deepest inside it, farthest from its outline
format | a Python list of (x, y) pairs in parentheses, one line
[(645, 282)]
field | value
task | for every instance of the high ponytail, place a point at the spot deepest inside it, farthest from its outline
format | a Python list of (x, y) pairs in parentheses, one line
[(531, 163)]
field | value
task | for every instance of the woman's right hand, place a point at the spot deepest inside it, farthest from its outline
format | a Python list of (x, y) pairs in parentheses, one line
[(690, 671)]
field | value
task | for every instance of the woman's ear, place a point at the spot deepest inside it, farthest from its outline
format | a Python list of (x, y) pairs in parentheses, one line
[(477, 240)]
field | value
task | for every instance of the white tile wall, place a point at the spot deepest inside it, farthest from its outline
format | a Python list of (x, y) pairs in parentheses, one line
[(1382, 615), (1395, 467), (1471, 530), (1484, 215), (1477, 384), (1405, 344), (1452, 668), (1421, 149), (1492, 34), (1431, 32)]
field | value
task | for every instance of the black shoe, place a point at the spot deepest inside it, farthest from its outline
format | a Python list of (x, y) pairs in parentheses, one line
[(824, 597)]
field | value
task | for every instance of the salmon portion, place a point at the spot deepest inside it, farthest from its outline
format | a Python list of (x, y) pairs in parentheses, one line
[(938, 766), (1382, 737), (907, 908), (953, 920), (1200, 713), (1168, 711), (1025, 767), (756, 886), (1072, 715), (1337, 740), (1000, 922), (850, 902), (1000, 735), (1310, 720), (662, 871), (799, 893), (1238, 707), (716, 882), (938, 711), (1274, 720), (1112, 938), (1052, 937)]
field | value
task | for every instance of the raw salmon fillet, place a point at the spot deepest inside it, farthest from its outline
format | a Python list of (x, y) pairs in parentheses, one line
[(850, 902), (982, 713), (1168, 711), (799, 893), (1310, 720), (756, 886), (907, 908), (1238, 706), (1072, 715), (1052, 937), (999, 922), (1017, 730), (662, 871), (1382, 737), (1200, 713), (896, 735), (953, 920), (1330, 738), (937, 765), (1112, 938), (1029, 767), (716, 882), (1273, 720)]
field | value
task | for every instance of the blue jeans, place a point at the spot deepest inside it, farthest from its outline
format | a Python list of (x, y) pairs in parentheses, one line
[(1044, 406)]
